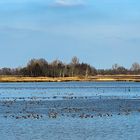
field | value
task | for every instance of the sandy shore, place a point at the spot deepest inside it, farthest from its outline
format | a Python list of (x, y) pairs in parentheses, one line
[(100, 78)]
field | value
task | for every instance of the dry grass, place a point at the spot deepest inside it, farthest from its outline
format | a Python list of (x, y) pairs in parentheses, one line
[(135, 78), (36, 79)]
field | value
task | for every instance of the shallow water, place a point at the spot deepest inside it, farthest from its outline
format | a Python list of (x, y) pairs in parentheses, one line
[(70, 111), (115, 128), (70, 89)]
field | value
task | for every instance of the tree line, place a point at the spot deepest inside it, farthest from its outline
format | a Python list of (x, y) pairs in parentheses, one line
[(57, 68)]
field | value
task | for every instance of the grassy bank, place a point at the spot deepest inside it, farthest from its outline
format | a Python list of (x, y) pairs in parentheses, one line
[(135, 78)]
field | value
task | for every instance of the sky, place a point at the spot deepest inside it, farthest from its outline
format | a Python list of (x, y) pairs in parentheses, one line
[(99, 32)]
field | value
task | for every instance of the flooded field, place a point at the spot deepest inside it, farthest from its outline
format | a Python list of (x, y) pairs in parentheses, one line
[(70, 111)]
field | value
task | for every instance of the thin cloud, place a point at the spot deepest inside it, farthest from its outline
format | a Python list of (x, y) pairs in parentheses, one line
[(69, 3)]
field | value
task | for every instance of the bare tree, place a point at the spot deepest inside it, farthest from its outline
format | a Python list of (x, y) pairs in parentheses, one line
[(135, 66), (74, 62), (115, 66)]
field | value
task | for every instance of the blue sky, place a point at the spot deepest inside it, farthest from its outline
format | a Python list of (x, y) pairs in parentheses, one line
[(99, 32)]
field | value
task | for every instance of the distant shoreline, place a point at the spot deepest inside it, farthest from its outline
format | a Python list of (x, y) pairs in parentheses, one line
[(98, 78)]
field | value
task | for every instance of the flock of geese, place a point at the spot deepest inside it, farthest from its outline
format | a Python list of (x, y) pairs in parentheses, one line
[(24, 112)]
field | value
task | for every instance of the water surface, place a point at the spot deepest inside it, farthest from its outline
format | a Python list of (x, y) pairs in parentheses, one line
[(70, 111)]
